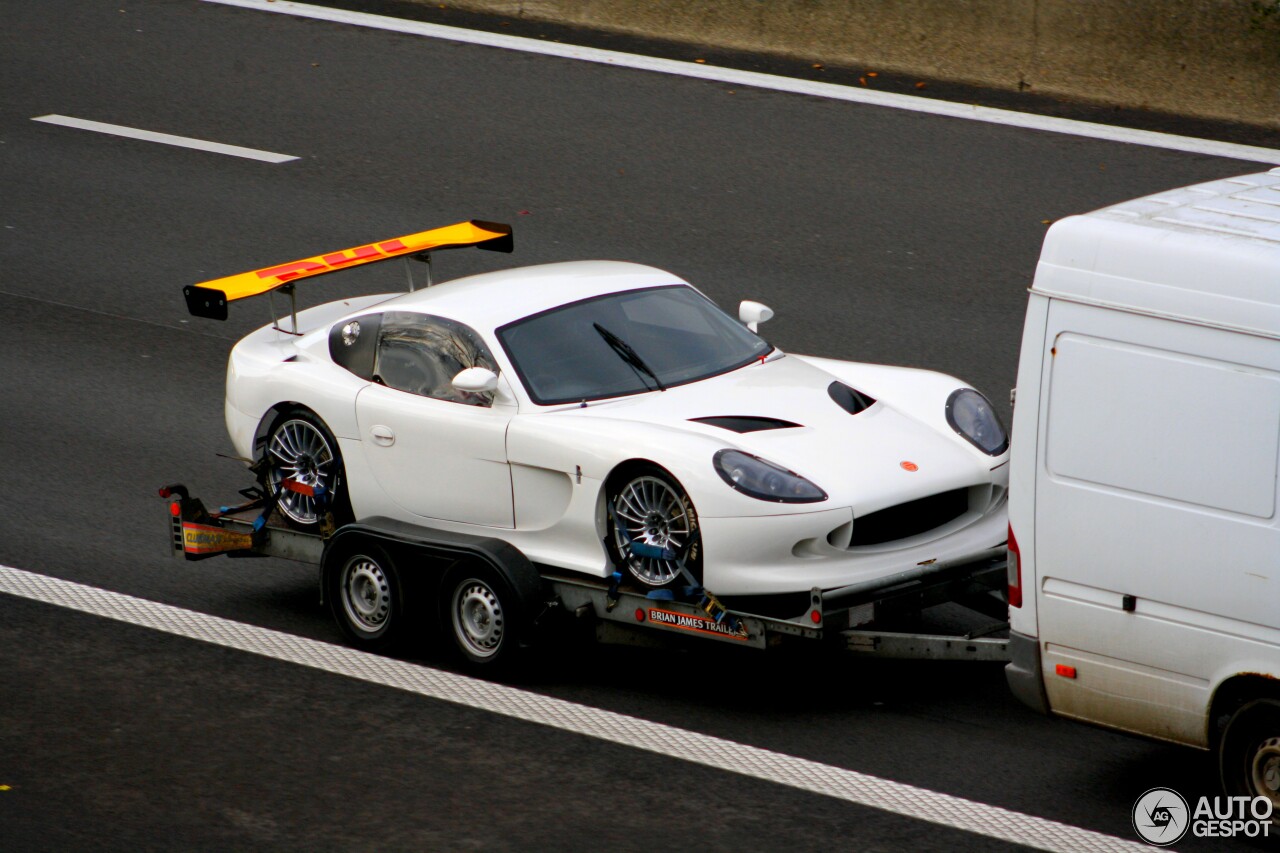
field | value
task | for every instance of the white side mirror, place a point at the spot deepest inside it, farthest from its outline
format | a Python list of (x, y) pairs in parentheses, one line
[(754, 313), (476, 380)]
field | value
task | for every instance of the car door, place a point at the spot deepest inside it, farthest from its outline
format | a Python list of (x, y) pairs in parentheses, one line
[(437, 452)]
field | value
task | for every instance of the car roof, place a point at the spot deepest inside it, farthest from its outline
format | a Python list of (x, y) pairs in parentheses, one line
[(491, 300)]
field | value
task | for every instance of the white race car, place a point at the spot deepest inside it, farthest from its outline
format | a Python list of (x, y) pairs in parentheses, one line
[(604, 416)]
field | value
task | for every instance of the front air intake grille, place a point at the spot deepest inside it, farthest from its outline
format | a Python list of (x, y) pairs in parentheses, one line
[(909, 519)]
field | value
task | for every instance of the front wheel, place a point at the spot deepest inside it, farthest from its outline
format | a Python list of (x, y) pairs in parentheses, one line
[(654, 529), (1249, 753)]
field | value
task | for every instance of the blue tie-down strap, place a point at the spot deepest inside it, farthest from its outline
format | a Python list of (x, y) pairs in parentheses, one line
[(652, 552), (611, 597), (647, 551), (707, 602), (319, 492)]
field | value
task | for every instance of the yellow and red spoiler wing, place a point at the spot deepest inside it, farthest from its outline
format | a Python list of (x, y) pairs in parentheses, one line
[(210, 298)]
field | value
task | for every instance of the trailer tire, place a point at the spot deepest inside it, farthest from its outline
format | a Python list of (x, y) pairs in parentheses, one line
[(300, 446), (1249, 753), (366, 595), (483, 616)]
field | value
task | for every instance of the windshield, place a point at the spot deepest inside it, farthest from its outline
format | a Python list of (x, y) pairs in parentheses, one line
[(652, 339)]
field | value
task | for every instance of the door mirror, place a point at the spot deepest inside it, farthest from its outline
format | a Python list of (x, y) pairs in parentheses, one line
[(753, 314), (476, 380)]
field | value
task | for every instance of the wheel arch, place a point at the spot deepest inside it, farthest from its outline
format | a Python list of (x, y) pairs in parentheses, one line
[(273, 414), (1233, 694), (619, 474), (627, 467), (428, 558)]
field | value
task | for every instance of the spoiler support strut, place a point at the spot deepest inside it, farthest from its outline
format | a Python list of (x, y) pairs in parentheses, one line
[(291, 291)]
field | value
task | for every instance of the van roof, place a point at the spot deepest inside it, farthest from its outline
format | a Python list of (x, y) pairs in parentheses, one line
[(1207, 253)]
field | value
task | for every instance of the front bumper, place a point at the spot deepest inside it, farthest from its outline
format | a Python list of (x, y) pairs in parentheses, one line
[(790, 553)]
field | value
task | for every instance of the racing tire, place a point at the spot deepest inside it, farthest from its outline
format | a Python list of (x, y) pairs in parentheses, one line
[(482, 617), (301, 448), (367, 597), (1249, 753), (653, 529)]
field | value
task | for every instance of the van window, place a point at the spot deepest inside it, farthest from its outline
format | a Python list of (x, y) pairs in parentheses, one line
[(1164, 424)]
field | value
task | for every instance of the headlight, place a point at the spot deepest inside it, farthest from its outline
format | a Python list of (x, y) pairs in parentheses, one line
[(764, 480), (971, 415)]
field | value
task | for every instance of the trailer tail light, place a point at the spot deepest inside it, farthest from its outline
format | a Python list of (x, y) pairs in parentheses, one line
[(1015, 571)]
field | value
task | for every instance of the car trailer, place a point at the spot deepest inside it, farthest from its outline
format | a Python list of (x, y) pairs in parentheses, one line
[(380, 577)]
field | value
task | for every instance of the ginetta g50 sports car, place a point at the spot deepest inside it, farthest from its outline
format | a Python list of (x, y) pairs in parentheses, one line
[(604, 416)]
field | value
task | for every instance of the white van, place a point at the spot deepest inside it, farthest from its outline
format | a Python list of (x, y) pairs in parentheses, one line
[(1144, 542)]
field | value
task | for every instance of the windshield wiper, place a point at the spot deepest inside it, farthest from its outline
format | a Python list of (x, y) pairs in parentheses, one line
[(627, 354)]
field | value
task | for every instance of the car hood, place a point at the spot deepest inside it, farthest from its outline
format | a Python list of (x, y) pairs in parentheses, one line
[(870, 460)]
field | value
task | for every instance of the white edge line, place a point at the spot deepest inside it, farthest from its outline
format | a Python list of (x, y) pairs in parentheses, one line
[(165, 138), (1030, 121), (705, 750)]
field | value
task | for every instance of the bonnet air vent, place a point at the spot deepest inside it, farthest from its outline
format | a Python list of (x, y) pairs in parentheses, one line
[(848, 399), (745, 423)]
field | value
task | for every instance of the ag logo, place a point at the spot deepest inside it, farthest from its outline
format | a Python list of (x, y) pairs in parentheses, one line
[(1161, 817)]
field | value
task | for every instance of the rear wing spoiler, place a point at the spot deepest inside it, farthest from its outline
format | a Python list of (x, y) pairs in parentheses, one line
[(210, 298)]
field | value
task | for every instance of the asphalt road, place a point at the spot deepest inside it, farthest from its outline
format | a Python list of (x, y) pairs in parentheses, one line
[(875, 234)]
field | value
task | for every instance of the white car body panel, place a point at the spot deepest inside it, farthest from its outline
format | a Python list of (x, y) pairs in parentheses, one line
[(535, 475), (413, 443)]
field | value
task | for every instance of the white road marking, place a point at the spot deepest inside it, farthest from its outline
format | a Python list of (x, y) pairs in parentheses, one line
[(165, 138), (814, 777), (1152, 139)]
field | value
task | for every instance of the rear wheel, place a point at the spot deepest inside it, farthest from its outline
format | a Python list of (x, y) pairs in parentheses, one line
[(483, 616), (1249, 753), (300, 449), (367, 597), (654, 528)]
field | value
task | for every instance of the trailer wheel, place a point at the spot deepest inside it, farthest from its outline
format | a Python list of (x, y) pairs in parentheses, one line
[(367, 598), (1249, 753), (301, 448), (653, 528), (483, 617)]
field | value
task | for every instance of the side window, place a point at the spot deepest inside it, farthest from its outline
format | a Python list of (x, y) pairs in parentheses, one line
[(421, 354)]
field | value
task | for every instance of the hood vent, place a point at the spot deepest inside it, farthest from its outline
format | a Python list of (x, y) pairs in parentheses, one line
[(848, 399), (745, 423)]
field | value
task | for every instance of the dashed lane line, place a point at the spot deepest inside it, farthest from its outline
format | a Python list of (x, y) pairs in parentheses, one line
[(165, 138)]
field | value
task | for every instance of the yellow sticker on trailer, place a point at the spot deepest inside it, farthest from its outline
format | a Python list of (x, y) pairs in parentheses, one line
[(206, 539)]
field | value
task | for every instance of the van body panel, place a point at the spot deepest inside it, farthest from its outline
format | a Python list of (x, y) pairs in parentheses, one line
[(1024, 435), (1146, 458)]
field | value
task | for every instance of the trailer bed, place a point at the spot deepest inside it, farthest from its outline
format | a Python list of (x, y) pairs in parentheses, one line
[(865, 619)]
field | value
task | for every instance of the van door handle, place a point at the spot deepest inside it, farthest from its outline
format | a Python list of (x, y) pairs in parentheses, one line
[(383, 435)]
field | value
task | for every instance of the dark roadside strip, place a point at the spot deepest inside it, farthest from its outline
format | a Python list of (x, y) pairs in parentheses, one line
[(817, 70)]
